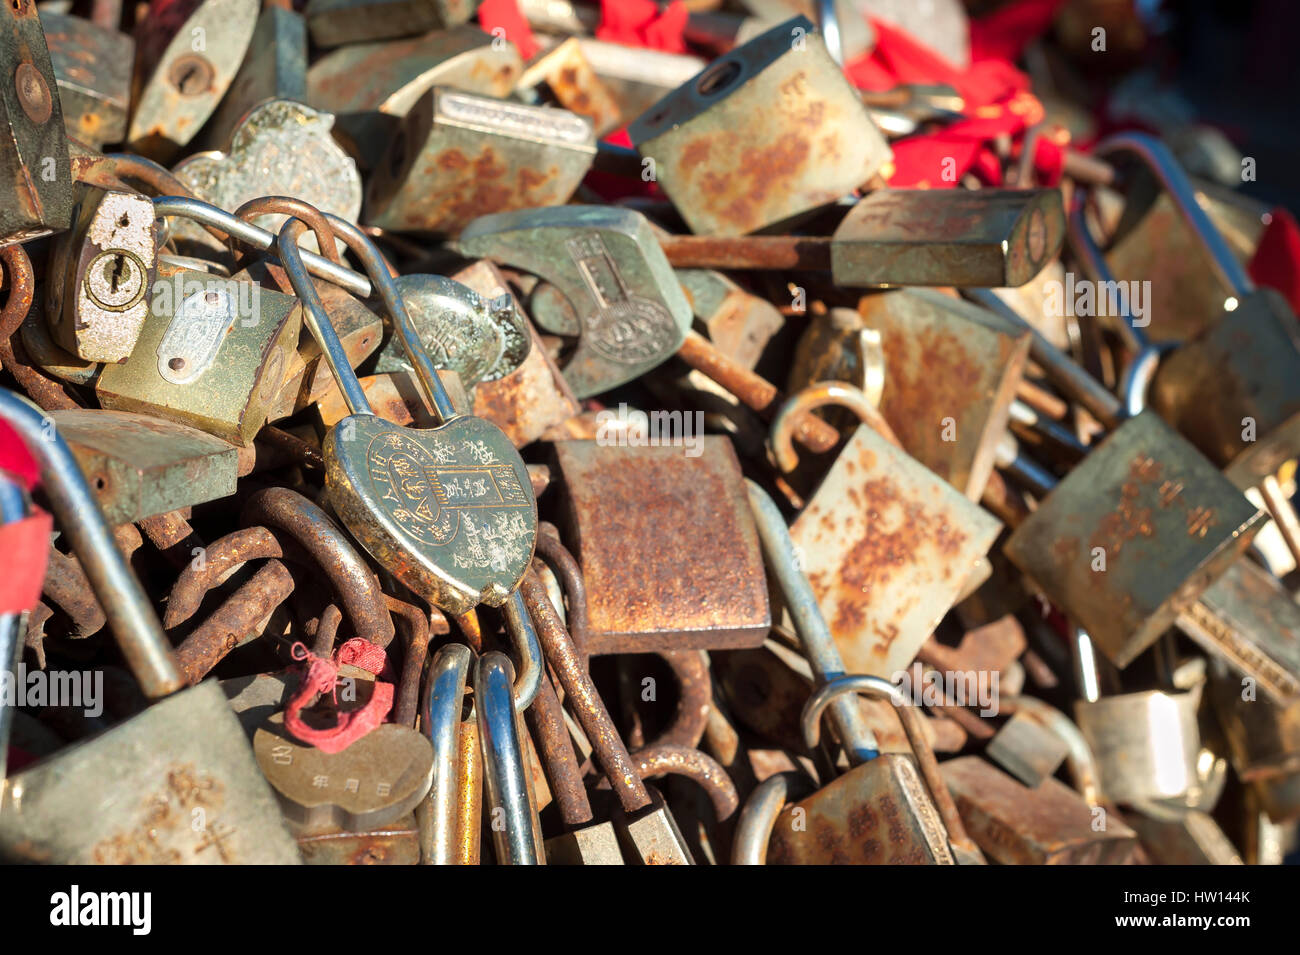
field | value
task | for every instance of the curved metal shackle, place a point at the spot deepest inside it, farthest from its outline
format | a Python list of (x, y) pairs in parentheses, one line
[(814, 635), (759, 814), (828, 24), (1079, 757), (817, 395), (926, 763), (127, 607), (1089, 254), (440, 712), (503, 760)]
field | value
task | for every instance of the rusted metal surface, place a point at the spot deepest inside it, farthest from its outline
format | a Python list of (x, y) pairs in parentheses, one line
[(394, 844), (237, 620), (1047, 825), (289, 206), (949, 385), (765, 252), (66, 586), (656, 593), (292, 447), (666, 759), (887, 547), (991, 238), (333, 22), (310, 527), (459, 156), (694, 700), (416, 629), (220, 559), (570, 79), (565, 566), (21, 284), (767, 132), (92, 67), (173, 536), (551, 737), (1263, 737), (1163, 519), (991, 647), (754, 391), (583, 700)]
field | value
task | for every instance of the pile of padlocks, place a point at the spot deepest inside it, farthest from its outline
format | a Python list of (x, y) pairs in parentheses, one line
[(483, 441)]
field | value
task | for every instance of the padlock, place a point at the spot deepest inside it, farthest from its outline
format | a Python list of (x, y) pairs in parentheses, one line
[(638, 77), (139, 465), (34, 159), (335, 22), (49, 357), (567, 76), (275, 68), (187, 53), (213, 354), (459, 156), (185, 788), (842, 823), (92, 67), (642, 598), (449, 510), (480, 339), (887, 545), (278, 148), (101, 275), (1160, 519), (371, 86), (610, 285), (767, 133), (1027, 749), (1047, 824), (532, 398)]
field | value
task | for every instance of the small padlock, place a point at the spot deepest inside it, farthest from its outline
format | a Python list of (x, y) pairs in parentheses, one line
[(34, 157), (769, 132)]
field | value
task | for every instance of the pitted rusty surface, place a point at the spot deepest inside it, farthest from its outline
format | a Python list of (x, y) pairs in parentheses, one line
[(650, 590), (240, 618), (673, 760), (1049, 824)]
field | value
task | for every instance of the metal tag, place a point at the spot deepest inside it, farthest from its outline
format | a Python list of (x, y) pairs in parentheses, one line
[(194, 336)]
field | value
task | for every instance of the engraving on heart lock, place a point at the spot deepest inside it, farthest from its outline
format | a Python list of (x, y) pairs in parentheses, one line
[(450, 510)]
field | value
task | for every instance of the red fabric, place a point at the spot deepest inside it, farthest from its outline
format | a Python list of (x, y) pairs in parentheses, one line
[(24, 549), (1276, 262), (504, 14), (1004, 33), (639, 23), (16, 460), (322, 677)]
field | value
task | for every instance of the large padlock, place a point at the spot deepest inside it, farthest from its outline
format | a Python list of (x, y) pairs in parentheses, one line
[(92, 67), (187, 53), (459, 156), (371, 86), (183, 785), (102, 275), (606, 280), (887, 545), (34, 156), (640, 596), (767, 133)]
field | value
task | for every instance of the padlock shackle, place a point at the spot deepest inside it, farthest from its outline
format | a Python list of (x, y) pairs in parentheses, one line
[(1090, 257), (828, 25), (317, 319), (440, 711), (1165, 167), (809, 624), (261, 239), (818, 395), (524, 642), (127, 607), (759, 814), (880, 688), (503, 761)]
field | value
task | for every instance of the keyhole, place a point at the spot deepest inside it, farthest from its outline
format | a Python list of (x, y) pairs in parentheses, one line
[(192, 75), (117, 272)]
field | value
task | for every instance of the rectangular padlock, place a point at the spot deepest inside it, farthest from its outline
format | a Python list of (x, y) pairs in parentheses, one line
[(648, 592), (767, 133), (371, 86), (1134, 534), (564, 72), (459, 156), (92, 67), (34, 160), (213, 354), (1047, 825)]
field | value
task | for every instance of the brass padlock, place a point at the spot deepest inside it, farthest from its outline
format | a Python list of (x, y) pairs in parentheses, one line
[(371, 86), (213, 354), (768, 132), (609, 284), (184, 787), (34, 156), (102, 273), (92, 67), (459, 156), (640, 596), (887, 544), (187, 53)]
